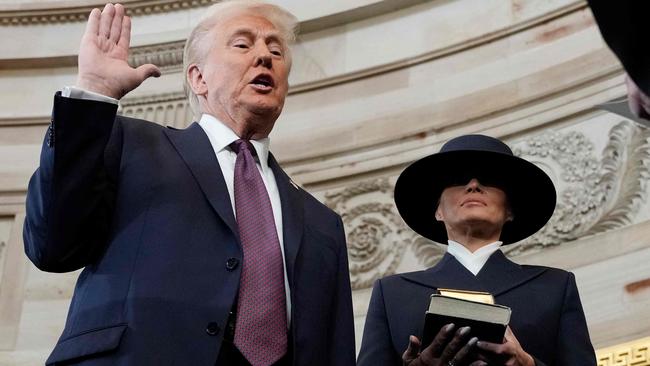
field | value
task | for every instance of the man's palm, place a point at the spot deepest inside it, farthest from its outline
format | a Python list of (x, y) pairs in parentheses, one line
[(103, 54)]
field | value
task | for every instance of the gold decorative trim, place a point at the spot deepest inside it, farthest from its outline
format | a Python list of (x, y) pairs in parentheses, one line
[(635, 353), (80, 13)]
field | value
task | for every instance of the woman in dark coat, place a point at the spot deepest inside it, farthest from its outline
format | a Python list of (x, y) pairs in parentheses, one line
[(475, 196)]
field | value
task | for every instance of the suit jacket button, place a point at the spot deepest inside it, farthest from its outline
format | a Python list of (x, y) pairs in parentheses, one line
[(232, 263), (212, 328)]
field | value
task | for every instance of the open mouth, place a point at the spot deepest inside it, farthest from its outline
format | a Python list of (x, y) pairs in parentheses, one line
[(263, 81)]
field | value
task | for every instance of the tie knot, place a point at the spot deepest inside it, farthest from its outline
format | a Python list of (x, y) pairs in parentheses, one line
[(243, 145)]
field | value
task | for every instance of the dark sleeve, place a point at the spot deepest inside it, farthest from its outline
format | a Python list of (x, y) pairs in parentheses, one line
[(70, 197), (376, 346), (538, 362), (342, 337), (574, 346), (623, 25)]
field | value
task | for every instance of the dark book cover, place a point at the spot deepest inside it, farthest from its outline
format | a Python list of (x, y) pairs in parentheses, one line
[(487, 321)]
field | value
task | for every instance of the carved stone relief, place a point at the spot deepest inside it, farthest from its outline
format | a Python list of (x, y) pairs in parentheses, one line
[(167, 56), (170, 109), (595, 194), (377, 236)]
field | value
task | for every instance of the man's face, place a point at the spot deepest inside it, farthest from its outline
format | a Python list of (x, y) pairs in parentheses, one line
[(473, 206), (245, 73)]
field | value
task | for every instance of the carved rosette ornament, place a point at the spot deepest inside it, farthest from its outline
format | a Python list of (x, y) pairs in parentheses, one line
[(376, 235), (594, 194)]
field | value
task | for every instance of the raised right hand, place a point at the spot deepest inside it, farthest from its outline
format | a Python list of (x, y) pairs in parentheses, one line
[(103, 53), (448, 348)]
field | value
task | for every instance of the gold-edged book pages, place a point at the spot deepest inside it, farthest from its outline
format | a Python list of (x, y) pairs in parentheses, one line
[(476, 296)]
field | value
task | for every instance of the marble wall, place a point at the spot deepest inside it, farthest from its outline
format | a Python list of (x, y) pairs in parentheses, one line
[(376, 84)]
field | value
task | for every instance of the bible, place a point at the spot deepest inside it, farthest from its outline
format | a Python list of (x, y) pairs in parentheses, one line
[(487, 320)]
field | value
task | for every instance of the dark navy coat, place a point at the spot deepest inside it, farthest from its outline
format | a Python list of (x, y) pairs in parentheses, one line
[(547, 316), (146, 212)]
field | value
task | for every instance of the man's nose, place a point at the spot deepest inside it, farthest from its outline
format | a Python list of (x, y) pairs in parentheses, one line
[(264, 58), (473, 186)]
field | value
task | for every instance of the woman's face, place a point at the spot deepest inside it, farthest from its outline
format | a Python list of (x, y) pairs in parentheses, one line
[(473, 206)]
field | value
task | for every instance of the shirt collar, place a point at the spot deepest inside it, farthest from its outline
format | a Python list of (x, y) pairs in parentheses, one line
[(474, 262), (221, 136)]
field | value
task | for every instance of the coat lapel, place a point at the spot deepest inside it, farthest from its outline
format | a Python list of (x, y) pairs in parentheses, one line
[(448, 273), (193, 146), (499, 275), (292, 215)]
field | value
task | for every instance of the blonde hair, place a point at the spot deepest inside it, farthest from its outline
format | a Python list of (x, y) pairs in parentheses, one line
[(195, 50)]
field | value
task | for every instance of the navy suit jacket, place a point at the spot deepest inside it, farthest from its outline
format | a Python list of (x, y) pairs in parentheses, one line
[(146, 211), (547, 316)]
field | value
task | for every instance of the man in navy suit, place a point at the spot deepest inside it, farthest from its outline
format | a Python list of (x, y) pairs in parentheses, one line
[(183, 265), (476, 196)]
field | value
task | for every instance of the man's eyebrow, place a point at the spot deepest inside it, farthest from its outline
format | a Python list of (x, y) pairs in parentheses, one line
[(273, 36)]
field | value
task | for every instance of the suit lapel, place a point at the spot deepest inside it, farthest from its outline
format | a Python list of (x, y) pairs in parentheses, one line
[(500, 275), (193, 146), (292, 215)]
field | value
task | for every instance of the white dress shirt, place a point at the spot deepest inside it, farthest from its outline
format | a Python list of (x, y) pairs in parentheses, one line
[(221, 136), (474, 262)]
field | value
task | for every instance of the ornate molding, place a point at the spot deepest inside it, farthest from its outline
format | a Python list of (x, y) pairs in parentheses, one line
[(167, 56), (377, 237), (152, 99), (635, 353), (80, 13), (170, 55), (169, 109), (595, 194)]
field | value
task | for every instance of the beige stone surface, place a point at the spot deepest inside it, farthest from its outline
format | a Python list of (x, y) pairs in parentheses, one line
[(376, 84)]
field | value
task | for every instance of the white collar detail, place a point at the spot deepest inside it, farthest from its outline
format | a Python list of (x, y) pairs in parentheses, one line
[(221, 136), (474, 262)]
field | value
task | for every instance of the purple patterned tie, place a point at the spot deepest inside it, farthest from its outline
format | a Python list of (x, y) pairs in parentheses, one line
[(261, 326)]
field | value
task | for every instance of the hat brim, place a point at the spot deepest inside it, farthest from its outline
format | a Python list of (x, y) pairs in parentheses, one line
[(529, 190)]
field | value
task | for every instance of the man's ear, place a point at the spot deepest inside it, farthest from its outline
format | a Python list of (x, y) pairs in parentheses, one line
[(196, 81)]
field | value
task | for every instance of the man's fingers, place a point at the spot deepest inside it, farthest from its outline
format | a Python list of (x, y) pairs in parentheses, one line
[(148, 70), (92, 27), (106, 20), (125, 33), (116, 25), (413, 349)]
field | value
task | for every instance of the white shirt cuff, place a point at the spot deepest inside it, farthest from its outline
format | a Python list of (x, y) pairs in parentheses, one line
[(78, 93)]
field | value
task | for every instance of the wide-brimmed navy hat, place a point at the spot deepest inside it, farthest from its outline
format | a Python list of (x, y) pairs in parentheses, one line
[(529, 190)]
